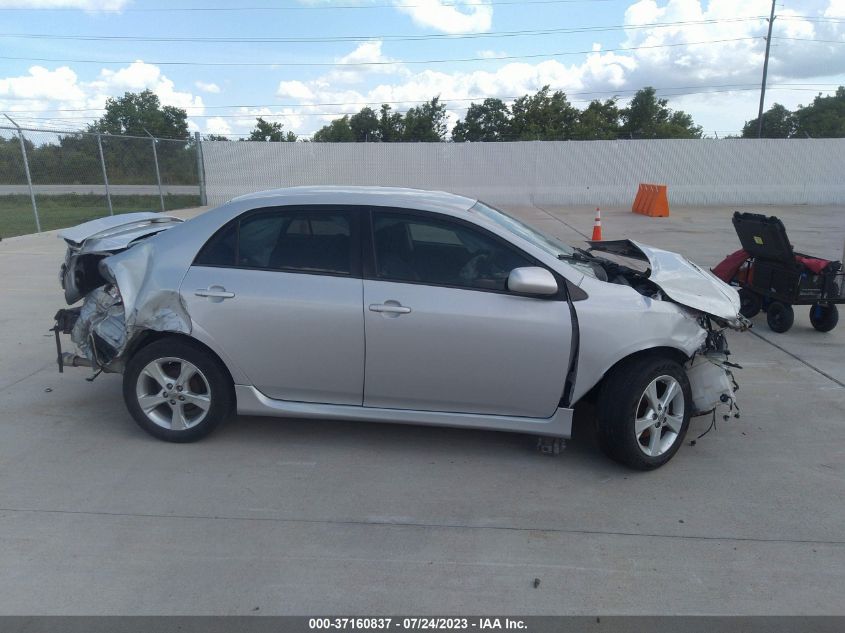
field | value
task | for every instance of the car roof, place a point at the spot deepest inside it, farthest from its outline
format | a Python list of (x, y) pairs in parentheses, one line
[(365, 196)]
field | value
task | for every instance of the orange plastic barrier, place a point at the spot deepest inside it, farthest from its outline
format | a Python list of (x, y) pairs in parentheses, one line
[(652, 200)]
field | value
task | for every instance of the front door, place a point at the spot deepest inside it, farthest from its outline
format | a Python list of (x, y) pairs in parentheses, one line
[(444, 334)]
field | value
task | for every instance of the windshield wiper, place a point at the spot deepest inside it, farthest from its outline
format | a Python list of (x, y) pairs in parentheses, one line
[(578, 254)]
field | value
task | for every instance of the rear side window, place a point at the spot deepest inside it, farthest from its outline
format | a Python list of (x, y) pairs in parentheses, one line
[(297, 240)]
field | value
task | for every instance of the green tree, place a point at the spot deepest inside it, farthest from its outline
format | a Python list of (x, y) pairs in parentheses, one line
[(338, 131), (543, 116), (649, 117), (426, 123), (599, 120), (390, 125), (216, 137), (136, 113), (11, 161), (270, 131), (489, 120), (778, 122), (824, 118), (365, 126)]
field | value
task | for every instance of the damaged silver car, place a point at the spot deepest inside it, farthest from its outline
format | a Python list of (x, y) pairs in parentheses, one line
[(395, 305)]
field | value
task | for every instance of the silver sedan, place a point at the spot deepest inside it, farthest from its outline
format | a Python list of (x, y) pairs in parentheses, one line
[(395, 305)]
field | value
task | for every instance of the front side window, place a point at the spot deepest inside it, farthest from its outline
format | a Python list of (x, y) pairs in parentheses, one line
[(440, 252), (316, 241)]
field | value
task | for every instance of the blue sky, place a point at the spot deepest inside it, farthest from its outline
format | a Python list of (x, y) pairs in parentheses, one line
[(707, 61)]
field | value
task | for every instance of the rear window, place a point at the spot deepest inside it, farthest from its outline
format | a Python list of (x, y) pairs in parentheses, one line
[(314, 241)]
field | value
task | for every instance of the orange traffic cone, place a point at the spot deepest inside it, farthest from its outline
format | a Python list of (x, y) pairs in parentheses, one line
[(597, 227)]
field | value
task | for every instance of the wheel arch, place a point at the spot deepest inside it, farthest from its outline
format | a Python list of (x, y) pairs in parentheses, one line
[(666, 351), (147, 337)]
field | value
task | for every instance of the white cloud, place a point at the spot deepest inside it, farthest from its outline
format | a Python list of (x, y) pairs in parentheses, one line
[(142, 76), (491, 54), (836, 9), (86, 5), (693, 67), (294, 90), (52, 97), (368, 53), (217, 125), (207, 87), (461, 16), (43, 84)]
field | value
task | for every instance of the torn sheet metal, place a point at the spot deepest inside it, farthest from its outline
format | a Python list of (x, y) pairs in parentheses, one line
[(683, 281), (137, 301)]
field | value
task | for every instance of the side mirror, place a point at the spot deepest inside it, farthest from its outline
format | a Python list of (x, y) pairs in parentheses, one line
[(532, 280)]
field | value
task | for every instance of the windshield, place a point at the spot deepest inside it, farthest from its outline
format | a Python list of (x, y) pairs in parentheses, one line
[(548, 243)]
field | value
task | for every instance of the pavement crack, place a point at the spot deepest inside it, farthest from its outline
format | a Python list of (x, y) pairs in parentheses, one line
[(436, 526), (821, 372), (28, 376)]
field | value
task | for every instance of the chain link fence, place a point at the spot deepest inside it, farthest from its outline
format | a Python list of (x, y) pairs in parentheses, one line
[(51, 179)]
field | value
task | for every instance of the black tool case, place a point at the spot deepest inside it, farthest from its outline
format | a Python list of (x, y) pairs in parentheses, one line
[(775, 278)]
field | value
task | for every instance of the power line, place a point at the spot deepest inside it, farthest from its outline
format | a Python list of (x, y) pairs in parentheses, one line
[(379, 63), (492, 3), (368, 38), (808, 39)]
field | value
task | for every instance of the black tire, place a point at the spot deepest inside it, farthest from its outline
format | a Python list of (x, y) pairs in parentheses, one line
[(780, 316), (824, 318), (211, 386), (750, 303), (621, 400)]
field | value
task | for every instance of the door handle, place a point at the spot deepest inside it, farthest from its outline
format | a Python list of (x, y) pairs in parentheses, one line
[(389, 308), (214, 292)]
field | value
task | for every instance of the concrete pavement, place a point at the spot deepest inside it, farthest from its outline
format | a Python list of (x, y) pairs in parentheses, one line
[(287, 516)]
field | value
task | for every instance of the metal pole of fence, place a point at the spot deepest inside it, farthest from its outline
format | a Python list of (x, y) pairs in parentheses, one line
[(105, 175), (201, 169), (158, 173), (28, 176)]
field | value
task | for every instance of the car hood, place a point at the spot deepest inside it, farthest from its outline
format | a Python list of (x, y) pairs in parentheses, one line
[(115, 233), (682, 281)]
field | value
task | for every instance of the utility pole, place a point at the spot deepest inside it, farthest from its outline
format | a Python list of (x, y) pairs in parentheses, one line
[(765, 72)]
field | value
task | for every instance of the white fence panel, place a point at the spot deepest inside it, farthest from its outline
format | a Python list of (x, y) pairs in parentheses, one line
[(698, 172)]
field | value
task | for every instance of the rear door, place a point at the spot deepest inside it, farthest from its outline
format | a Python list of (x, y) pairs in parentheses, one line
[(280, 291), (444, 334)]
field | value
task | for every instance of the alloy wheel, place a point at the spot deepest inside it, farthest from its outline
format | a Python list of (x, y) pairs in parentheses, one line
[(659, 416), (173, 393)]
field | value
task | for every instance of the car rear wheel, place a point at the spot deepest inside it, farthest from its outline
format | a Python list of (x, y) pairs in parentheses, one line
[(643, 412), (177, 391), (824, 318)]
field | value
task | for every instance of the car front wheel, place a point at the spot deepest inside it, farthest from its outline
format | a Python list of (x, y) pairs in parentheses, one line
[(176, 391), (643, 412)]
